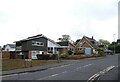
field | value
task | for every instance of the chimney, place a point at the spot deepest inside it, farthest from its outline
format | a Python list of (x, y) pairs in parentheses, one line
[(92, 37)]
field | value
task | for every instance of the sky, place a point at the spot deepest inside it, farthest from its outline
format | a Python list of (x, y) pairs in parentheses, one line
[(20, 19)]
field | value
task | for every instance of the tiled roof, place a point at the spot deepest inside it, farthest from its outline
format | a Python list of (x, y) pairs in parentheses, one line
[(11, 45), (65, 43), (38, 36)]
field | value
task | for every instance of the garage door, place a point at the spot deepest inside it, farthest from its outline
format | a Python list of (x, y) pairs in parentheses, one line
[(87, 51)]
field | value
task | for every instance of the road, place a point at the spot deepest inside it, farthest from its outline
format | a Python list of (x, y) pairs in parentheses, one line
[(82, 69)]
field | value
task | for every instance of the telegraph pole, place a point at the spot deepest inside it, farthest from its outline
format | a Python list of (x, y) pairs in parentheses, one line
[(114, 42)]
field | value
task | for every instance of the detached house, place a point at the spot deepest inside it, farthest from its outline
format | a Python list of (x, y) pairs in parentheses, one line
[(65, 46), (86, 45), (39, 44), (9, 47)]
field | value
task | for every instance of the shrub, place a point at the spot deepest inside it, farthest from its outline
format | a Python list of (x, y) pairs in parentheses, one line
[(43, 57), (73, 57), (70, 52), (83, 56), (64, 55), (100, 51), (53, 56)]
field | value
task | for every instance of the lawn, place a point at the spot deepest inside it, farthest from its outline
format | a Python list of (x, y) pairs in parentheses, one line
[(10, 64)]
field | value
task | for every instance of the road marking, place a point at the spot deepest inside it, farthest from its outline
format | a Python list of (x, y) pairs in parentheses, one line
[(87, 65), (97, 75), (83, 66), (64, 72), (61, 66), (48, 77), (54, 75)]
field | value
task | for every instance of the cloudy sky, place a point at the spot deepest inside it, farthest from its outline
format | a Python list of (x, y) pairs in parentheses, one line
[(20, 19)]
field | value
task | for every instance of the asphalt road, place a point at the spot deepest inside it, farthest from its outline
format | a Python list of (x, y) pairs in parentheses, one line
[(82, 69)]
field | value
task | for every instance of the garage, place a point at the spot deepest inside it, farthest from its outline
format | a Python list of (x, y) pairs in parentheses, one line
[(87, 51)]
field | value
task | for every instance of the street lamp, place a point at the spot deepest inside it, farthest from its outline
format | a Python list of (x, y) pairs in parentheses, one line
[(114, 42)]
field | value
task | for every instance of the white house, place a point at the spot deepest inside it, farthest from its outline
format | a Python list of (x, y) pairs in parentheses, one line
[(9, 47)]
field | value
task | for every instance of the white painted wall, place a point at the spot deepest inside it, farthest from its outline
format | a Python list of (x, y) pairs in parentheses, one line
[(8, 48), (34, 54), (51, 44)]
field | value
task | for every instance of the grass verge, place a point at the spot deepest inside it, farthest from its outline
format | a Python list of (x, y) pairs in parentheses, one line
[(11, 64)]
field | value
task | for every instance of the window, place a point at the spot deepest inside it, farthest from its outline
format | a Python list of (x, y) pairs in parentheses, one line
[(50, 49), (37, 43)]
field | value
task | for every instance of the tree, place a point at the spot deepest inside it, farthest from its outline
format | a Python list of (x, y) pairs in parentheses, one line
[(117, 47), (64, 38), (104, 42)]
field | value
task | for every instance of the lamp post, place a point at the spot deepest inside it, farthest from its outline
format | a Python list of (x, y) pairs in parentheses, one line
[(114, 42)]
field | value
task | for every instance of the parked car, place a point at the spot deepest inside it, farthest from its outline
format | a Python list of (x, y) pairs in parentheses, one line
[(108, 52)]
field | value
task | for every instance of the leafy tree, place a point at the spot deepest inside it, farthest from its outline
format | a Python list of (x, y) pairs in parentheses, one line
[(104, 42), (117, 47), (65, 38)]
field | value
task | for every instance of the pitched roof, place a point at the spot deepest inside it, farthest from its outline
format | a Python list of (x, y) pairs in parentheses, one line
[(37, 36), (78, 40), (64, 43), (90, 41), (11, 45)]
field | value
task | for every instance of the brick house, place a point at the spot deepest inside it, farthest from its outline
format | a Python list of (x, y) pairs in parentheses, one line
[(65, 46), (86, 45)]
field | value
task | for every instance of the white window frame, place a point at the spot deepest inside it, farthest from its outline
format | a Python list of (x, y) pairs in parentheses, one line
[(35, 43)]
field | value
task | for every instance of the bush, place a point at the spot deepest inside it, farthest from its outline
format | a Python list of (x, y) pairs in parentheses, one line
[(53, 56), (70, 52), (65, 55), (73, 57), (100, 51), (43, 57)]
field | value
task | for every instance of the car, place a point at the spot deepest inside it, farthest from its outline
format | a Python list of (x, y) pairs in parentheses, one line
[(108, 52)]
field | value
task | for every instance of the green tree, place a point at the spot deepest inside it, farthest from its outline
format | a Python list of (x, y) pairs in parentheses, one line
[(117, 47), (64, 38), (104, 42)]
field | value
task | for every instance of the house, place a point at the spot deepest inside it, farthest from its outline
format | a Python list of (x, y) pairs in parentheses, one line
[(39, 44), (9, 47), (65, 46), (77, 41), (86, 45)]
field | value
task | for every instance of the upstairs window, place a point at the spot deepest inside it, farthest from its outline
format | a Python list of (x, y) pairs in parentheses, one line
[(37, 43)]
